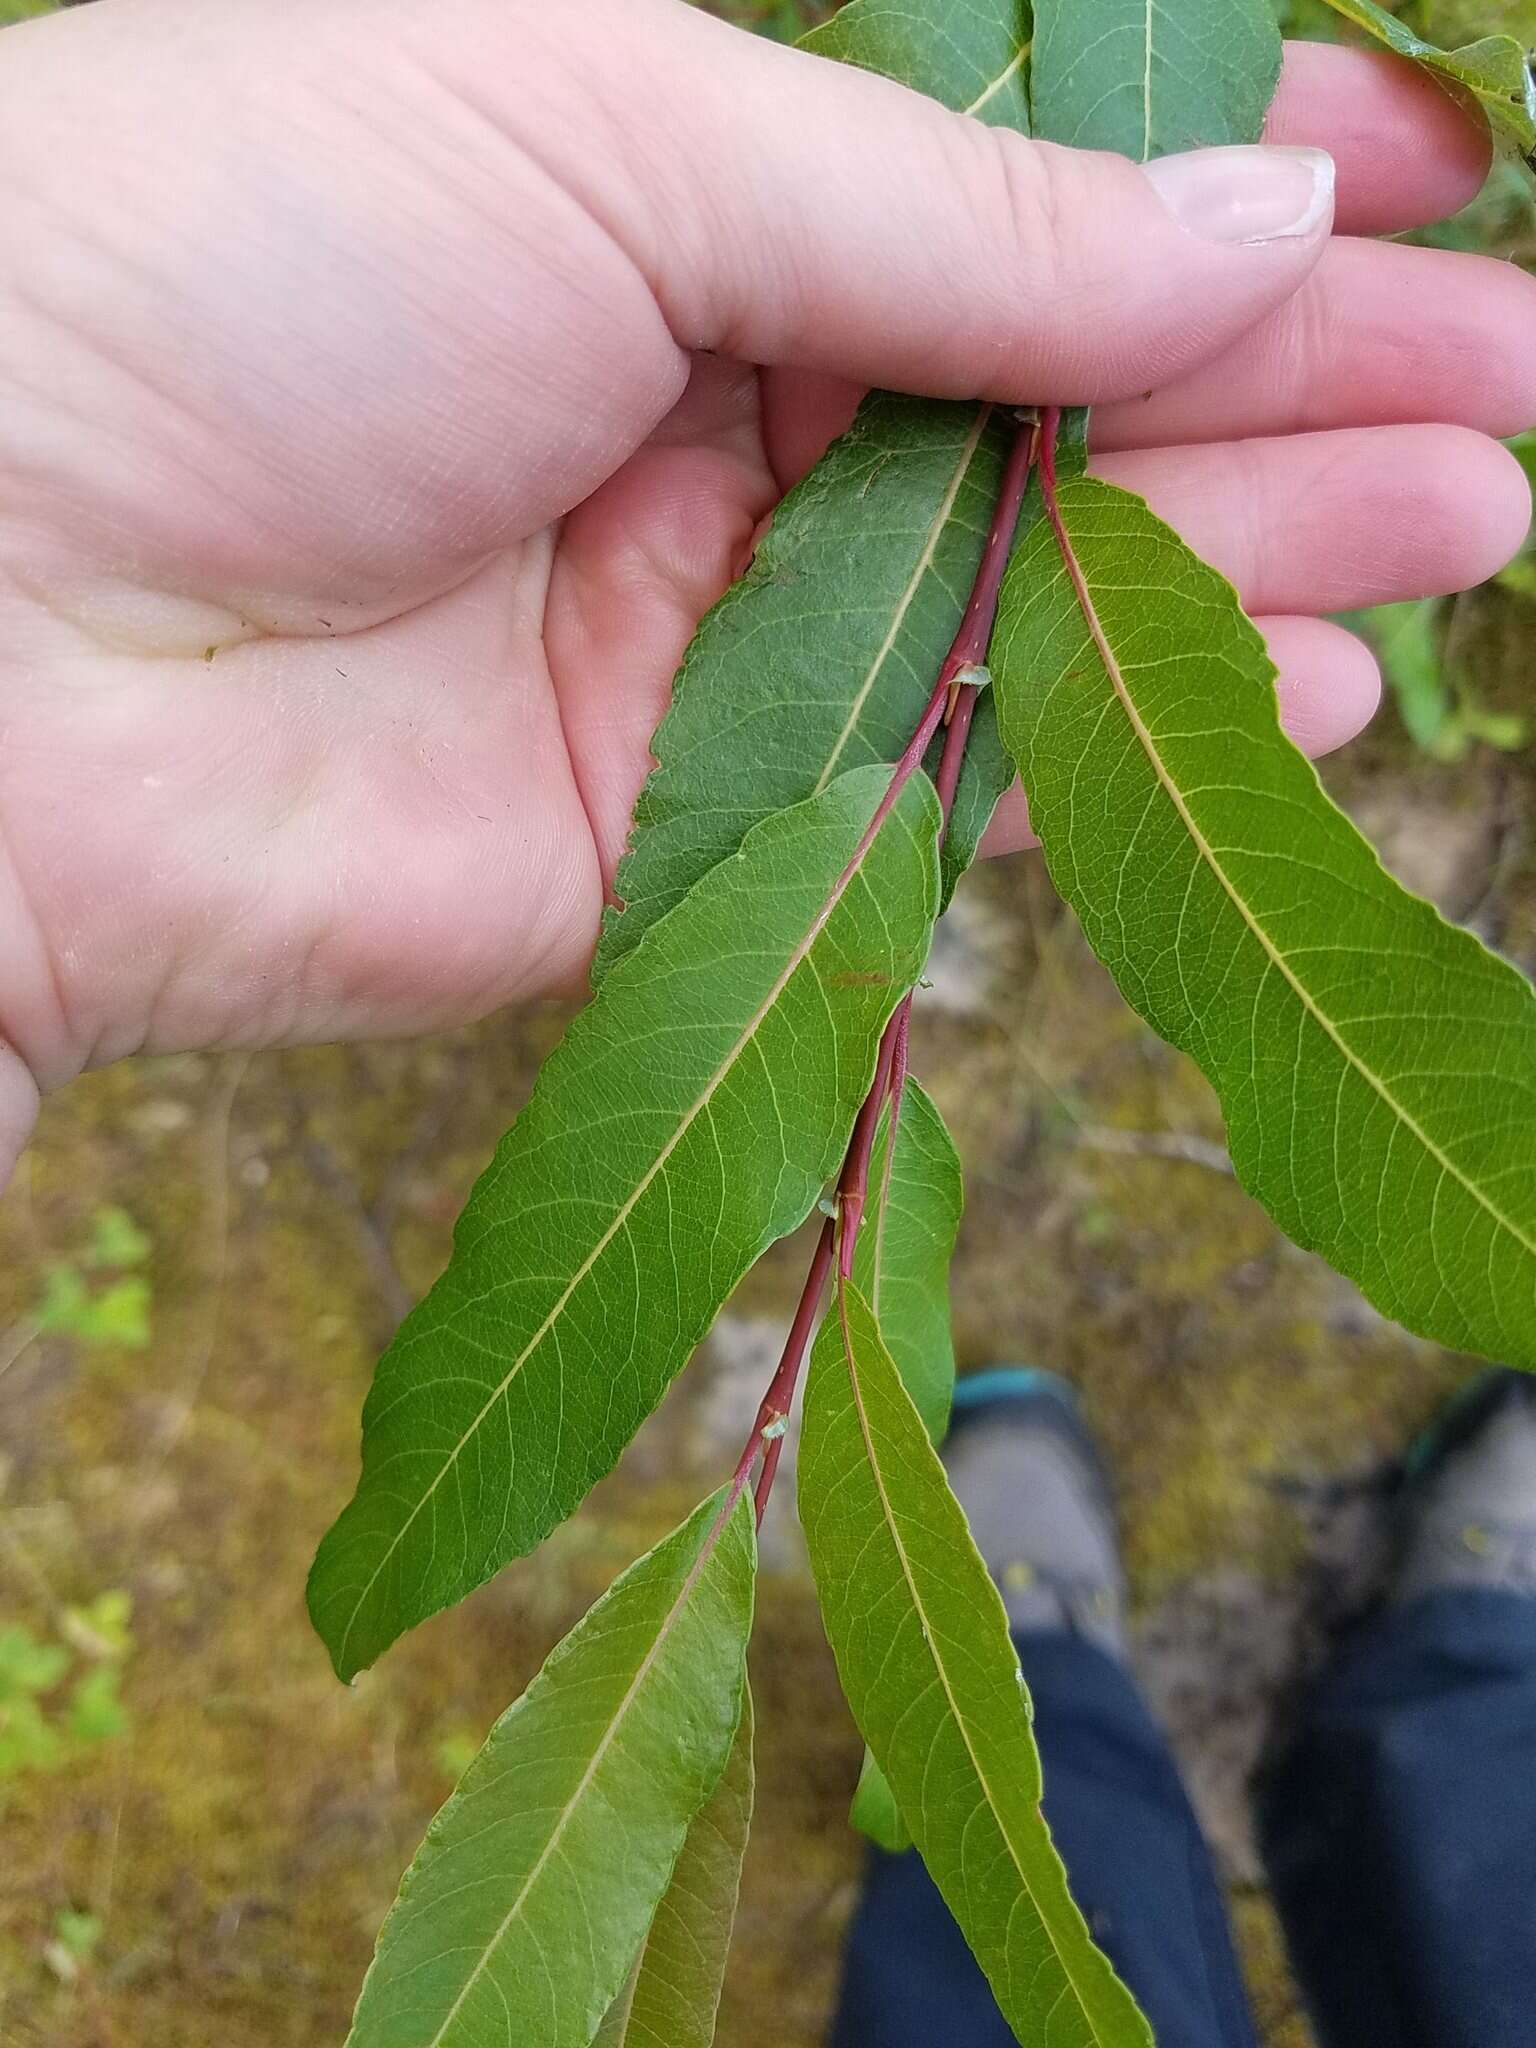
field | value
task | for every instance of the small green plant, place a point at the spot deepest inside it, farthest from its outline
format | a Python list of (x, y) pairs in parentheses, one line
[(100, 1299), (60, 1696), (72, 1947)]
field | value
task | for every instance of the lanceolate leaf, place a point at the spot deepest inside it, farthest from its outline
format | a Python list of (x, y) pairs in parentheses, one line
[(673, 1992), (901, 1261), (822, 658), (519, 1919), (1495, 71), (1376, 1066), (922, 1648), (901, 1267), (1147, 78), (690, 1117), (971, 54)]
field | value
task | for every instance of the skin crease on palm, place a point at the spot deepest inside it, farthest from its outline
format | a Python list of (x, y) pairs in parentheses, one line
[(436, 367)]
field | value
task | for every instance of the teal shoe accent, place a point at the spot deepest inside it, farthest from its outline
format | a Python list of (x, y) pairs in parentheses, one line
[(975, 1390)]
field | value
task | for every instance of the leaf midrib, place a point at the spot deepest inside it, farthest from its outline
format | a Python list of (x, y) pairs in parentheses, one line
[(929, 1637), (1273, 953), (621, 1216), (1010, 70)]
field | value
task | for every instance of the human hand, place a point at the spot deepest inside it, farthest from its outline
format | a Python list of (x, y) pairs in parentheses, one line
[(405, 358)]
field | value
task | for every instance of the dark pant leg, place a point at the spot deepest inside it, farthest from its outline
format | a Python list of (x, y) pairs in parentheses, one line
[(1400, 1830), (1139, 1869)]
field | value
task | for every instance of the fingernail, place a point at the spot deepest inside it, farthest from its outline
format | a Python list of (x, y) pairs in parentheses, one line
[(1258, 194)]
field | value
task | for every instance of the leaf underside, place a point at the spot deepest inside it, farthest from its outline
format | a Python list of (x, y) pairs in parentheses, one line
[(519, 1918), (1148, 78), (690, 1117), (1494, 71), (822, 658), (922, 1648), (970, 55), (1376, 1066), (673, 1992)]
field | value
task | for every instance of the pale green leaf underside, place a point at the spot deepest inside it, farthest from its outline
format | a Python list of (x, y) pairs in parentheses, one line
[(822, 657), (971, 55), (1376, 1066), (673, 1992), (690, 1117), (922, 1648), (1148, 78), (1495, 70), (525, 1905)]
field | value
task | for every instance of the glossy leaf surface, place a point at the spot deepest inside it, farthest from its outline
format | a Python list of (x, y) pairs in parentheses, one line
[(923, 1651), (526, 1903), (1376, 1066), (688, 1119)]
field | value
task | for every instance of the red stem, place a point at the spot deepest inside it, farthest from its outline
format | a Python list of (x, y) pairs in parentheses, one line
[(971, 642), (773, 1410), (953, 704)]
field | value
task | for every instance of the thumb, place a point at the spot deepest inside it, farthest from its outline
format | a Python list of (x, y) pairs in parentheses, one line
[(830, 219)]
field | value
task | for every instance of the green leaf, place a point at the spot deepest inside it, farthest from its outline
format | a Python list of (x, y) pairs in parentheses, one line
[(673, 1991), (901, 1267), (520, 1916), (118, 1315), (874, 1811), (901, 1260), (1408, 642), (27, 1666), (690, 1117), (1146, 78), (822, 658), (922, 1648), (970, 54), (1494, 71), (96, 1710), (117, 1241), (1376, 1066)]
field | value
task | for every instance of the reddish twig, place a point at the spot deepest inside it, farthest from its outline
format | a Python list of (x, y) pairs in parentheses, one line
[(952, 704)]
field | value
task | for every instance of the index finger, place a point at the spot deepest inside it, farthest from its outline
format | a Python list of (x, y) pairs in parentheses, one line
[(1408, 152)]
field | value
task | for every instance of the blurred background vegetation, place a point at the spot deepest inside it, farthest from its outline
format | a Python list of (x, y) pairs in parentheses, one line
[(201, 1257)]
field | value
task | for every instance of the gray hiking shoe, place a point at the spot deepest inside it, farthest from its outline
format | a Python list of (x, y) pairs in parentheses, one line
[(1037, 1496), (1469, 1494)]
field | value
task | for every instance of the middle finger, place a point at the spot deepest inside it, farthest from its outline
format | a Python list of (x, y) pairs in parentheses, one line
[(1381, 334), (1332, 522)]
